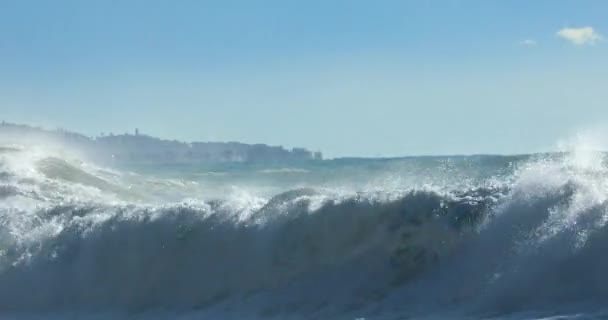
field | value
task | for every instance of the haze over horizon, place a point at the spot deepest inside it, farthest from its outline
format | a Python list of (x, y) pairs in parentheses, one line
[(348, 78), (467, 139)]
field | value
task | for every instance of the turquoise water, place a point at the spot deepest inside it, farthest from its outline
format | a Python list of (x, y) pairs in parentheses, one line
[(349, 174)]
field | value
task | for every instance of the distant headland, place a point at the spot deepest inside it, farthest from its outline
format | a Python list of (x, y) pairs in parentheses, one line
[(142, 148)]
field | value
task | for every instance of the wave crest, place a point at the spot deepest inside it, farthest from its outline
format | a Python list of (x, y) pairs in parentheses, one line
[(534, 237)]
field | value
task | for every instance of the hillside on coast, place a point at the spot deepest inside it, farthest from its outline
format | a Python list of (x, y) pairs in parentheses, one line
[(142, 148)]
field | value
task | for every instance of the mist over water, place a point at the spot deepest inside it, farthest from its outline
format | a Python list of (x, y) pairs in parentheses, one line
[(507, 237)]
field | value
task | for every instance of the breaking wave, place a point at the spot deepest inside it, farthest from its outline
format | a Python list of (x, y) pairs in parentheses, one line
[(532, 239)]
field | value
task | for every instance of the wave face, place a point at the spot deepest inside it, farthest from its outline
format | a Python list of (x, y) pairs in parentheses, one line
[(499, 237)]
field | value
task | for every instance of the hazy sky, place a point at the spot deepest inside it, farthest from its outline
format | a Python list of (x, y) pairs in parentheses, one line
[(346, 77)]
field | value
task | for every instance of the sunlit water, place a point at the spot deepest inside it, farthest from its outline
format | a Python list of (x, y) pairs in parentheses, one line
[(521, 237)]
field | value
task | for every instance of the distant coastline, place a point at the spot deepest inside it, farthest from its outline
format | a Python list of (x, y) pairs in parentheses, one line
[(142, 148)]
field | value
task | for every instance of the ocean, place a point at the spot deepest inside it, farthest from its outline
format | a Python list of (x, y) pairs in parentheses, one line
[(454, 237)]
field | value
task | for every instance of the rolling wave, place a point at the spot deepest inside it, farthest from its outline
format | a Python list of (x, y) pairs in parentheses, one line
[(532, 240)]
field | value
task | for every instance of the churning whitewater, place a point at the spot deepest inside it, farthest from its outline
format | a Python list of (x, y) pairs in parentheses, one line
[(424, 237)]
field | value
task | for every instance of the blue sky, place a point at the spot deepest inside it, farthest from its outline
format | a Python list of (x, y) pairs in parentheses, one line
[(362, 78)]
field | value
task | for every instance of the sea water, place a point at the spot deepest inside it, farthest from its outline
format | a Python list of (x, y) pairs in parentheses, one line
[(459, 237)]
